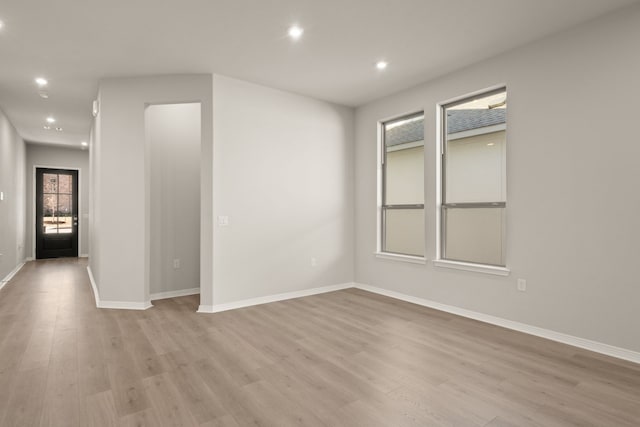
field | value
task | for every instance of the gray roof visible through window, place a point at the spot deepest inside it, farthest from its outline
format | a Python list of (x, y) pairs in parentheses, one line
[(458, 121), (409, 132), (463, 120)]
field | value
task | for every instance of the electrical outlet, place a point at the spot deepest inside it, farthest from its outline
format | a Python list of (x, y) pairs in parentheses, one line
[(176, 263), (223, 220), (314, 262), (522, 285)]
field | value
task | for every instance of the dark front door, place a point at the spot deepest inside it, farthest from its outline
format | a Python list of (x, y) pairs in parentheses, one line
[(56, 213)]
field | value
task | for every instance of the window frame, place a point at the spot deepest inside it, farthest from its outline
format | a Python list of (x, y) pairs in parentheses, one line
[(442, 260), (383, 208)]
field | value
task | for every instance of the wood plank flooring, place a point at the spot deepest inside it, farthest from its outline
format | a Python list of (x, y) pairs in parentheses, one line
[(347, 358)]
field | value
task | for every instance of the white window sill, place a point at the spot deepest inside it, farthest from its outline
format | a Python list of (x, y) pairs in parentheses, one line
[(404, 258), (467, 266)]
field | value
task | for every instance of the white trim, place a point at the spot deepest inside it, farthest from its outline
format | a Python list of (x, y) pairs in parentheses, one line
[(83, 256), (96, 295), (468, 266), (28, 259), (379, 166), (9, 276), (472, 94), (216, 308), (438, 169), (123, 305), (400, 257), (205, 309), (598, 347), (174, 294)]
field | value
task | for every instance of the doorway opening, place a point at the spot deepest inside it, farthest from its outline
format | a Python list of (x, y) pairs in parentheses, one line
[(173, 134), (56, 213)]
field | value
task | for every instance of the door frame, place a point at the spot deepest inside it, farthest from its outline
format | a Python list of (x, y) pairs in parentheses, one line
[(33, 207)]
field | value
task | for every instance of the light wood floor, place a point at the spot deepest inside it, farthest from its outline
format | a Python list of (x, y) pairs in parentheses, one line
[(347, 358)]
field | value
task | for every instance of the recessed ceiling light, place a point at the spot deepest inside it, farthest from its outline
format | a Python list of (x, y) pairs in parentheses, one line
[(295, 32), (84, 143), (381, 65), (59, 129), (51, 120), (46, 127), (41, 81)]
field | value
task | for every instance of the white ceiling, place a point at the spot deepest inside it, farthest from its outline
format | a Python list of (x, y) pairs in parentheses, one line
[(74, 43)]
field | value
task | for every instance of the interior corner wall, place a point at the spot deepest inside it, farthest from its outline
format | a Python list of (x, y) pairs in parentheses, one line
[(120, 182), (12, 207), (572, 185), (283, 175), (94, 202), (54, 157)]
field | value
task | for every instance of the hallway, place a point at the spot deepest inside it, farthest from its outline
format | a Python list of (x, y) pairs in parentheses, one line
[(64, 362)]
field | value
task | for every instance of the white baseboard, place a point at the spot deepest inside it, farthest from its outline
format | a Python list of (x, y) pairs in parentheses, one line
[(174, 294), (9, 276), (96, 295), (586, 344), (83, 256), (216, 308), (27, 259), (123, 305)]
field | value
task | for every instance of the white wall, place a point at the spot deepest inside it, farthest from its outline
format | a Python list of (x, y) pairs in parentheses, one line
[(12, 207), (120, 179), (51, 156), (283, 174), (572, 197), (173, 135)]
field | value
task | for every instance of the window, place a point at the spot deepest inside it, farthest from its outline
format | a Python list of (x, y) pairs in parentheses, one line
[(402, 207), (57, 209), (473, 193)]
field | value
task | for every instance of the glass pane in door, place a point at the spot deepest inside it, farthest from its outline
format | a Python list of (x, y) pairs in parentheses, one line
[(49, 183), (49, 213), (65, 212), (65, 183)]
